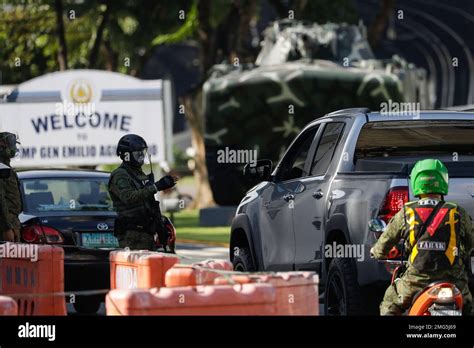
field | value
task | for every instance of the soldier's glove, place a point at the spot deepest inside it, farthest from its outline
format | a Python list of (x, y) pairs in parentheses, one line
[(165, 183), (151, 184), (151, 177)]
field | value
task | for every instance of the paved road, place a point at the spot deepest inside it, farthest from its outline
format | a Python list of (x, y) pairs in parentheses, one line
[(198, 252)]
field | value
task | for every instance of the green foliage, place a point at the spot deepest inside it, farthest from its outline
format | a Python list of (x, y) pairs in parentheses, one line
[(26, 48), (185, 31), (29, 43), (187, 228)]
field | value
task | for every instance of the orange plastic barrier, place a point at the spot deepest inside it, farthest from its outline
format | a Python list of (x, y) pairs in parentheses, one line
[(8, 306), (215, 264), (297, 292), (139, 269), (33, 269), (199, 273), (241, 299)]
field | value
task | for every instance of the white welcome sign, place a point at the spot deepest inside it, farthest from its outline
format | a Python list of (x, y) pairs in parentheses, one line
[(76, 117)]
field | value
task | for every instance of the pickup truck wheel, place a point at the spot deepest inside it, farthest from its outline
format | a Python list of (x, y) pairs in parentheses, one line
[(243, 261), (342, 295)]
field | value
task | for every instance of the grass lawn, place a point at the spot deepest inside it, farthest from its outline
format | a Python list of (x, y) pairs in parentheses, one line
[(187, 180), (187, 227)]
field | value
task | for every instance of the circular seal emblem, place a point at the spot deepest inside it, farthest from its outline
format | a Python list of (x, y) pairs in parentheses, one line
[(80, 92)]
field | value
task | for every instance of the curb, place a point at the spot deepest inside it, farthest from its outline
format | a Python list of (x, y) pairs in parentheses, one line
[(191, 241)]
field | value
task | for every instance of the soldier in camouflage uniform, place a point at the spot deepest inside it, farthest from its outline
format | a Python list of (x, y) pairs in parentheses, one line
[(132, 191), (10, 200), (438, 252)]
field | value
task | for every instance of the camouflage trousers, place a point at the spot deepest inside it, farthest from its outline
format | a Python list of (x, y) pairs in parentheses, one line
[(399, 295), (136, 240)]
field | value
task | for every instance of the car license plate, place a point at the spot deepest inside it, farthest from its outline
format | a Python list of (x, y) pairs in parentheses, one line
[(99, 240)]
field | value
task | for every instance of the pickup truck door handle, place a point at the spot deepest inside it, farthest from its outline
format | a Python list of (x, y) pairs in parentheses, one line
[(318, 194), (289, 197)]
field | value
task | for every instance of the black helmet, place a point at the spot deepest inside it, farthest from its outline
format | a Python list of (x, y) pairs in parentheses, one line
[(132, 148), (8, 148)]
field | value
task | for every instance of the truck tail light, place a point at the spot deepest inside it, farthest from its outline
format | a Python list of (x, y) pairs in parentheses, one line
[(41, 235), (394, 201)]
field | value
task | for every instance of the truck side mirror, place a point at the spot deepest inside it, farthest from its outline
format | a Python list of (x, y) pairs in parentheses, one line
[(261, 170), (377, 225)]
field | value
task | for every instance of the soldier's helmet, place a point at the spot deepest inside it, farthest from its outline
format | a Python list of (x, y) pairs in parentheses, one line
[(8, 148), (429, 176), (132, 149)]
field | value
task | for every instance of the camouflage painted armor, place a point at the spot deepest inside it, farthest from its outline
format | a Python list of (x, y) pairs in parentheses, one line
[(138, 213), (440, 253)]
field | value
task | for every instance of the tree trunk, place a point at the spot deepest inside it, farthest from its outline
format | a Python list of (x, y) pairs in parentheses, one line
[(98, 37), (193, 109), (62, 52), (247, 11), (205, 34), (111, 57), (380, 22), (192, 104)]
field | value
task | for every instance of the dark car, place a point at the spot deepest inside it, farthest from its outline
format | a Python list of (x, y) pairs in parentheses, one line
[(72, 209), (341, 171)]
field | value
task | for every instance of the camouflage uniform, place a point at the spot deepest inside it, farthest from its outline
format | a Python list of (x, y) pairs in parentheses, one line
[(10, 200), (399, 295), (133, 198)]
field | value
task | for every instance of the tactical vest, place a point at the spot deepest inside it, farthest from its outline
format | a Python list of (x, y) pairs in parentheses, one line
[(438, 247), (139, 210), (12, 194)]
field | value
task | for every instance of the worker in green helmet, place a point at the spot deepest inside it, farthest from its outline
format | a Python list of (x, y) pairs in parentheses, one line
[(437, 252)]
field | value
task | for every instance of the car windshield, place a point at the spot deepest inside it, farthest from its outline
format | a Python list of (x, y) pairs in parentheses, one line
[(66, 194)]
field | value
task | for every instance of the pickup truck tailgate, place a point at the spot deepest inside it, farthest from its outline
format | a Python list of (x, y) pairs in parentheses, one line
[(461, 191)]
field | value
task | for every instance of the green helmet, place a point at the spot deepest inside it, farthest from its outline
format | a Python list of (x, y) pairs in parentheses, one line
[(429, 176)]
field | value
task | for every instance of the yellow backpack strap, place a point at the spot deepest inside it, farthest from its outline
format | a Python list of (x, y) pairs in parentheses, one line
[(451, 250)]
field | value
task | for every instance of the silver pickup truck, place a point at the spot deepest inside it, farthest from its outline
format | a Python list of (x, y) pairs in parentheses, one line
[(310, 212)]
